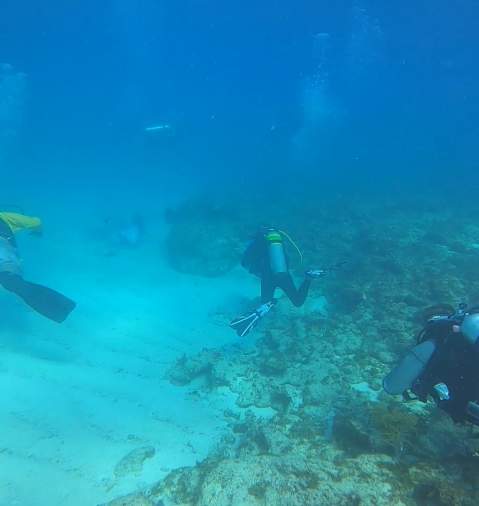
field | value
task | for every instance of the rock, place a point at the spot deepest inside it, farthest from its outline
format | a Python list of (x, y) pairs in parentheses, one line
[(131, 500), (186, 369), (327, 441), (132, 463), (364, 388), (203, 239)]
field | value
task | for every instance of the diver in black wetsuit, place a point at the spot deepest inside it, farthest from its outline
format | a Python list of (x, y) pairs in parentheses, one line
[(266, 258), (443, 365)]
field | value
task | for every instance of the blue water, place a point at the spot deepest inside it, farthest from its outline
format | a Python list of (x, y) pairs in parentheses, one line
[(266, 101), (231, 79)]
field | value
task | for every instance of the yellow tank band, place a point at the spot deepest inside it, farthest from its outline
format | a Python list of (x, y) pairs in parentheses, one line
[(274, 237)]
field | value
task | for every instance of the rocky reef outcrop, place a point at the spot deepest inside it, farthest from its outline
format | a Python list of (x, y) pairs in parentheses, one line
[(205, 238), (311, 425)]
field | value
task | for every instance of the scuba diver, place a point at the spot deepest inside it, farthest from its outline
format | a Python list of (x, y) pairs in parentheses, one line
[(43, 300), (444, 365), (266, 258)]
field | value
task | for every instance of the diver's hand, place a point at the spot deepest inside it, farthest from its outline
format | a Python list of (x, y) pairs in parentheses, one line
[(315, 273), (319, 273)]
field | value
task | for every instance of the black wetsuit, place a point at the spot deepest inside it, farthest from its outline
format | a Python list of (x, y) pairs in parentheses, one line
[(456, 364), (256, 261)]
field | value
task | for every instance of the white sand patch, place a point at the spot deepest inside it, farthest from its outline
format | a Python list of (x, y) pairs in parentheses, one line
[(77, 397)]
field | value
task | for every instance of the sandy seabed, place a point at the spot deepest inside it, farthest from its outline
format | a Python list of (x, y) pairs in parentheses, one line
[(78, 397)]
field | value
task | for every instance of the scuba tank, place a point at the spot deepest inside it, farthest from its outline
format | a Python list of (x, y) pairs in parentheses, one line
[(403, 376), (276, 253), (470, 329), (267, 250)]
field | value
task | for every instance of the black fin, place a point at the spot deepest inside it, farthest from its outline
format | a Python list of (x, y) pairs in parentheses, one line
[(43, 300)]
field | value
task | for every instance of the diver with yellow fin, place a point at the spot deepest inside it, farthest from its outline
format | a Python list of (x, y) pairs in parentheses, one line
[(43, 300), (266, 258)]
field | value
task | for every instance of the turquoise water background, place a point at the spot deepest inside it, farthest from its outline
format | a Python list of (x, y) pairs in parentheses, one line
[(353, 125)]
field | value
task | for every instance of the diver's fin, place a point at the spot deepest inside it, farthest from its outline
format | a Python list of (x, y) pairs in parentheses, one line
[(49, 303), (246, 323), (43, 300)]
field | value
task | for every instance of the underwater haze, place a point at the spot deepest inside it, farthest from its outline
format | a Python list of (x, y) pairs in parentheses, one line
[(152, 138)]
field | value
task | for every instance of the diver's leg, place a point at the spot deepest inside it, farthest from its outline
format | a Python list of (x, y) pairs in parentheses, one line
[(43, 300), (296, 295), (245, 323), (11, 282), (268, 287)]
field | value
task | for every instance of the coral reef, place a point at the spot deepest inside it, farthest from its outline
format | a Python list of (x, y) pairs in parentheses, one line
[(397, 425), (331, 436), (133, 500)]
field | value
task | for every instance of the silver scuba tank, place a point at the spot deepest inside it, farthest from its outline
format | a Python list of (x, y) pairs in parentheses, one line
[(470, 328), (277, 257), (402, 377)]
